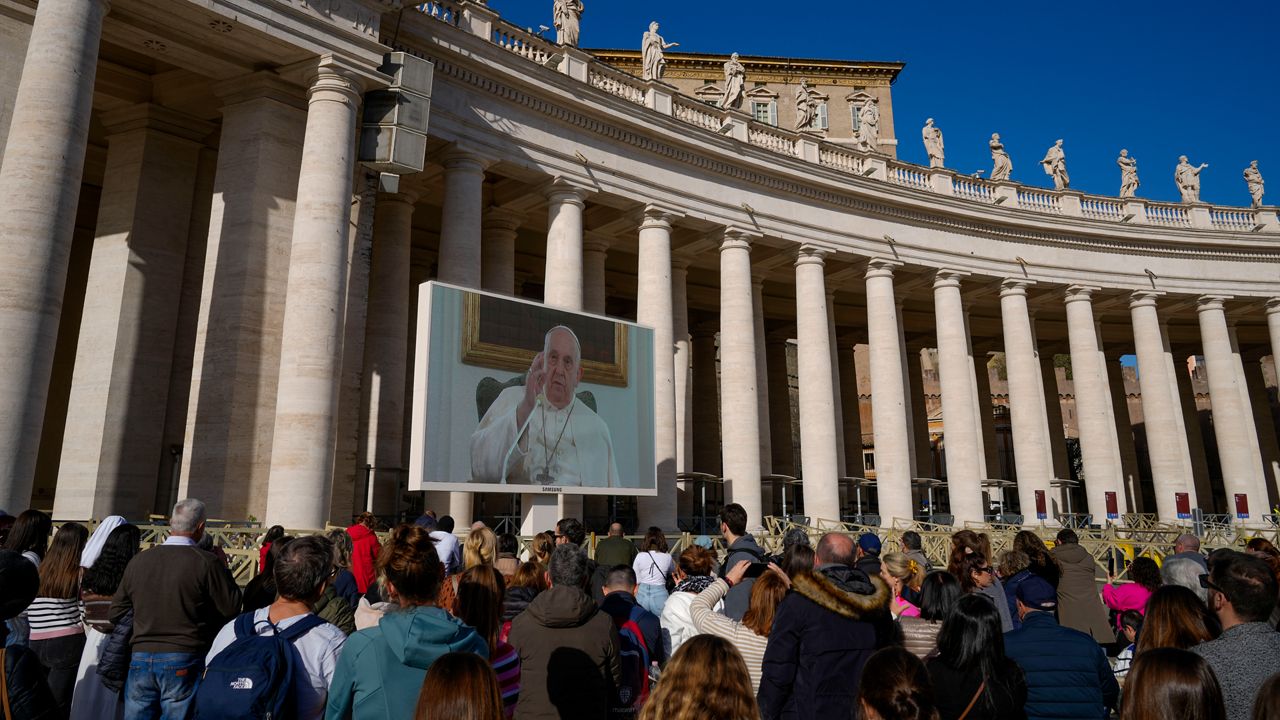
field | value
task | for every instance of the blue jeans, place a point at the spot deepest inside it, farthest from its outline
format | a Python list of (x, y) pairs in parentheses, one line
[(161, 685), (652, 598)]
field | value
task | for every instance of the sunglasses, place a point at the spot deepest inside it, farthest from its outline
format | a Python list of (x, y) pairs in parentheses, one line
[(986, 570), (1205, 582)]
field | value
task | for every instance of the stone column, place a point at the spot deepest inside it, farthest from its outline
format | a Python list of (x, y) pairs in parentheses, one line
[(1232, 418), (780, 432), (1124, 433), (1256, 450), (683, 381), (1273, 330), (1099, 444), (837, 397), (302, 450), (850, 404), (740, 435), (40, 184), (460, 259), (986, 418), (594, 253), (231, 410), (962, 433), (654, 308), (125, 347), (498, 250), (813, 355), (888, 398), (1195, 432), (921, 445), (1167, 447), (762, 377), (706, 401), (1263, 420), (564, 274), (1053, 411), (386, 347), (1032, 456)]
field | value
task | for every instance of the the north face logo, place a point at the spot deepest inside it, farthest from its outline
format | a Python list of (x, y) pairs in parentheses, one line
[(242, 684)]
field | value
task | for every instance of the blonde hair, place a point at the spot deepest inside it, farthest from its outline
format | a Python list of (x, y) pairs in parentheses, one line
[(480, 548), (705, 678), (904, 568)]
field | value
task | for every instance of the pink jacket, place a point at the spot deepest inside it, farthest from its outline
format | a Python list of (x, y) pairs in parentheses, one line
[(1129, 596)]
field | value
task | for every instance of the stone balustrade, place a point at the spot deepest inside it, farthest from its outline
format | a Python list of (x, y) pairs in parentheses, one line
[(844, 159)]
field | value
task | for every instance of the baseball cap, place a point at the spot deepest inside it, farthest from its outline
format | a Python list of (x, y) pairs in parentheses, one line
[(1036, 593), (870, 543)]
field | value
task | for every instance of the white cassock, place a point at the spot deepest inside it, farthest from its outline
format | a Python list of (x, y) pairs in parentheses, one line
[(583, 457)]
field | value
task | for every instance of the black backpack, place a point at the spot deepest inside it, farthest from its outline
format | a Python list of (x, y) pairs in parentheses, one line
[(252, 679)]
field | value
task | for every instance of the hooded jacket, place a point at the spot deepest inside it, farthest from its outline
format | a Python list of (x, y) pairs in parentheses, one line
[(381, 669), (364, 555), (739, 597), (1079, 605), (568, 656), (823, 633)]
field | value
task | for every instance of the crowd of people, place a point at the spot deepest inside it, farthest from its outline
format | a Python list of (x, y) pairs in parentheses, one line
[(432, 623)]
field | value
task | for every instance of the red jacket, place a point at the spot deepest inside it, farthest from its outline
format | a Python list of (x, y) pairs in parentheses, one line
[(364, 555)]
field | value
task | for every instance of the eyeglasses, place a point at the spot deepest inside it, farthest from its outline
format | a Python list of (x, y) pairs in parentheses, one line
[(987, 569), (1205, 582)]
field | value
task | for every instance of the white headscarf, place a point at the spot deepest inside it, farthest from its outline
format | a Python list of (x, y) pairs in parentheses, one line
[(98, 539)]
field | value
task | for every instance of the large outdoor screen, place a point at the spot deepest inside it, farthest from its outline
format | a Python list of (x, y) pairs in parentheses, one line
[(514, 396)]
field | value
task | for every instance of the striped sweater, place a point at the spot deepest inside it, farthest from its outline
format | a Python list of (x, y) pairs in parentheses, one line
[(506, 665), (709, 622), (54, 617)]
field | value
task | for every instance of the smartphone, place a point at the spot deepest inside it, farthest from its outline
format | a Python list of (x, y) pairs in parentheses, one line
[(755, 570)]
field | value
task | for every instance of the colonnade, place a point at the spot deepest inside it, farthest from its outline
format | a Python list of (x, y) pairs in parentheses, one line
[(265, 284)]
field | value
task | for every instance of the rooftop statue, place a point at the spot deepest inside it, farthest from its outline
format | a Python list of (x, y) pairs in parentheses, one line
[(1002, 166), (1188, 179), (869, 126), (806, 106), (652, 48), (933, 143), (1055, 164), (1128, 174), (735, 79), (567, 14), (1253, 178)]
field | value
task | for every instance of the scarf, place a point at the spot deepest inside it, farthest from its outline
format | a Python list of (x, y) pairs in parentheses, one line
[(93, 548), (694, 583)]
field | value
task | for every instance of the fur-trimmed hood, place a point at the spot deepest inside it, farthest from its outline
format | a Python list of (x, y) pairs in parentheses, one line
[(843, 590)]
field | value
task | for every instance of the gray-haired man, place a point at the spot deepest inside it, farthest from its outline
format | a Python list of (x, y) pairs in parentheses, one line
[(180, 596), (541, 433)]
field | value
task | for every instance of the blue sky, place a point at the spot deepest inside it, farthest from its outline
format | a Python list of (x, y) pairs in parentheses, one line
[(1159, 78)]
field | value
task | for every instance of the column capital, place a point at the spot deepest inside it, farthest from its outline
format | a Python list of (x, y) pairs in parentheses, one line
[(757, 281), (595, 243), (679, 264), (458, 157), (1273, 305), (1078, 293), (659, 216), (734, 237), (1145, 298), (1015, 286), (403, 196), (567, 191), (811, 255), (946, 277), (881, 267), (334, 72), (500, 218), (1206, 303)]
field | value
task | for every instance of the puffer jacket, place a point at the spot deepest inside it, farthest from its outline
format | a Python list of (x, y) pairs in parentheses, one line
[(1068, 675), (381, 668), (29, 694), (364, 555), (113, 659), (335, 610), (568, 656), (919, 636), (823, 632)]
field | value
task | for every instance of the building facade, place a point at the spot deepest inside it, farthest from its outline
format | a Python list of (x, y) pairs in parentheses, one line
[(205, 293)]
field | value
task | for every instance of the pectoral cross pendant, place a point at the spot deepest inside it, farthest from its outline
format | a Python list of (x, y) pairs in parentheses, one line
[(544, 478)]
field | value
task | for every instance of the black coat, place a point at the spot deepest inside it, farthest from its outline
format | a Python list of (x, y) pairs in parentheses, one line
[(823, 632), (113, 659), (29, 694)]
